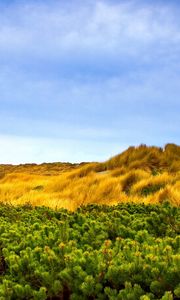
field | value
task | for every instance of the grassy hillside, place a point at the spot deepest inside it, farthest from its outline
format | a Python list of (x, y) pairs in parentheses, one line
[(128, 251), (139, 174)]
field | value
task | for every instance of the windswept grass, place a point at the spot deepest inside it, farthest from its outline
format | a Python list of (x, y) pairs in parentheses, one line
[(140, 175)]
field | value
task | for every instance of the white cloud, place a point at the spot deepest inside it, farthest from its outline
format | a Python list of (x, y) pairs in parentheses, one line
[(83, 75), (55, 30)]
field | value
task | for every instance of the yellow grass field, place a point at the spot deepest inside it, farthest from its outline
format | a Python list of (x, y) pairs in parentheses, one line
[(140, 175)]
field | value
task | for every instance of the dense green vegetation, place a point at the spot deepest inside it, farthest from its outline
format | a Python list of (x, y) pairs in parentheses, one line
[(125, 252)]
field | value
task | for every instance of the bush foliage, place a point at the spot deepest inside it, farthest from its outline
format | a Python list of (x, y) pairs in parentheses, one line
[(125, 252)]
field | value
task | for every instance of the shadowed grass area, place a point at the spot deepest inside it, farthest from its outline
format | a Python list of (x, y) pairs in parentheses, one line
[(139, 174)]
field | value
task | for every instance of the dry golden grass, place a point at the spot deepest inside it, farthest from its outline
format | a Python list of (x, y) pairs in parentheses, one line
[(138, 175)]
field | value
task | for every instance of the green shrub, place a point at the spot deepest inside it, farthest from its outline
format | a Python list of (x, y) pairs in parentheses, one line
[(125, 252)]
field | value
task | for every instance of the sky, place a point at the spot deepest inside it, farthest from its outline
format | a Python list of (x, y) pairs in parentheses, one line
[(84, 80)]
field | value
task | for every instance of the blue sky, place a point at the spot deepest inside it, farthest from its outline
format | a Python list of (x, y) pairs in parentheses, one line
[(83, 80)]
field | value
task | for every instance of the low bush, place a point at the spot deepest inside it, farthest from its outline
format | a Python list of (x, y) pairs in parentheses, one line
[(97, 252)]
